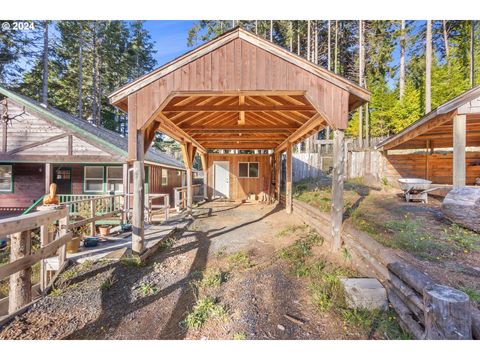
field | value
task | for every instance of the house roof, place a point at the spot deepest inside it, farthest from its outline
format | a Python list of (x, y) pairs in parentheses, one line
[(359, 94), (422, 125), (107, 138)]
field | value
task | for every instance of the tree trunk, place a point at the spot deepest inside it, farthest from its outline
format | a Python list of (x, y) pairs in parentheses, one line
[(94, 74), (428, 68), (402, 59), (335, 65), (361, 61), (44, 94), (329, 46), (256, 26), (462, 206), (445, 42), (472, 53), (271, 30), (298, 38), (309, 39), (447, 314), (291, 36), (316, 42), (80, 73)]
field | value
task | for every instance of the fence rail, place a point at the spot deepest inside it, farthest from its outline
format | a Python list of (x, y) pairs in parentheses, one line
[(180, 195)]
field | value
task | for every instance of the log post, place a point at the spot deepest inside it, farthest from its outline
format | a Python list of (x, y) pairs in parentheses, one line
[(447, 313), (337, 188), (204, 160), (48, 177), (124, 206), (188, 152), (138, 221), (20, 291), (459, 143), (288, 180), (43, 269), (278, 172), (189, 192)]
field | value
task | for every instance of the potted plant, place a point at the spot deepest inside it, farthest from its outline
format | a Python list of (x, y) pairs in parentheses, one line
[(74, 243), (104, 230)]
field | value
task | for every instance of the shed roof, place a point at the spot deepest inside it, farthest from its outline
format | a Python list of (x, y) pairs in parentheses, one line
[(437, 126), (97, 134)]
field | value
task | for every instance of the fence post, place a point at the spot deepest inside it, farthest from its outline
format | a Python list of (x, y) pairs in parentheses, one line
[(93, 212), (63, 229), (43, 269), (20, 291)]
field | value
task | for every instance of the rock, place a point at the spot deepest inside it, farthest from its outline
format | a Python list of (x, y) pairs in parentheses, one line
[(281, 327), (462, 206), (364, 293)]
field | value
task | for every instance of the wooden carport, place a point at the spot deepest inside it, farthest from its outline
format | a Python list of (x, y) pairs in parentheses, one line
[(238, 91), (453, 125)]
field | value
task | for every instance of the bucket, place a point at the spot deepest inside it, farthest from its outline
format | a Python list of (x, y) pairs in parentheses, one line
[(91, 241), (73, 245)]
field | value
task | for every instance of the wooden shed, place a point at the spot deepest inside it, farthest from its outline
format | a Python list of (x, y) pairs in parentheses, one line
[(443, 146), (238, 92)]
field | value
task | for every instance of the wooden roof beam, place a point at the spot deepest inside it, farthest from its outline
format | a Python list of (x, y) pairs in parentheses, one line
[(175, 132), (237, 130), (314, 123), (237, 108)]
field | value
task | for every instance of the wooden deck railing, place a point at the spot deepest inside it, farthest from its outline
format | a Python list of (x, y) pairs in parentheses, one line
[(180, 195), (22, 259)]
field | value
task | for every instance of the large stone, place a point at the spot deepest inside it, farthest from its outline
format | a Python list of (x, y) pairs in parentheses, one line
[(364, 293)]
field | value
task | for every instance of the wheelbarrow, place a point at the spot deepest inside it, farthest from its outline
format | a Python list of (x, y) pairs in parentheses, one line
[(415, 189)]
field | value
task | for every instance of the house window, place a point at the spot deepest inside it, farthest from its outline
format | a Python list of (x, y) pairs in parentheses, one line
[(93, 179), (115, 179), (164, 177), (6, 178), (248, 169)]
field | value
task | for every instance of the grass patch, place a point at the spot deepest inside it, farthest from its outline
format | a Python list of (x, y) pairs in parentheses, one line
[(108, 283), (472, 293), (290, 229), (167, 243), (132, 261), (240, 261), (148, 289), (204, 309), (56, 292), (298, 253), (213, 278), (409, 235), (240, 336), (384, 323), (221, 251), (465, 239)]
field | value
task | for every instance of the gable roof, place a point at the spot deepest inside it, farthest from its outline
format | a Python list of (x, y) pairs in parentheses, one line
[(106, 138), (359, 94), (443, 109)]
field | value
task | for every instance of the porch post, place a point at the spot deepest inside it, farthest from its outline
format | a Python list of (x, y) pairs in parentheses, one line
[(278, 172), (204, 159), (125, 192), (337, 188), (48, 177), (459, 143), (189, 191), (138, 221), (288, 189), (188, 152)]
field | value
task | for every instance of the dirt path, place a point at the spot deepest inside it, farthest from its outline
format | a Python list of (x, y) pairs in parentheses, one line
[(255, 297)]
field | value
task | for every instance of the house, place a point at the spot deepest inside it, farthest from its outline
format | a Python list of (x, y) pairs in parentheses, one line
[(40, 145), (443, 146)]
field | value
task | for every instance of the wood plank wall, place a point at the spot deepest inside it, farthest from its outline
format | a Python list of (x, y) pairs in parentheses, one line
[(241, 187), (155, 182), (28, 186), (439, 168)]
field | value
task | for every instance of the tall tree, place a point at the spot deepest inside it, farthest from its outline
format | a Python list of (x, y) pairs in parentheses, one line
[(402, 59), (472, 53), (44, 94), (361, 62), (428, 68)]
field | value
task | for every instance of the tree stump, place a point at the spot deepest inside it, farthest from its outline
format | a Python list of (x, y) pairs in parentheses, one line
[(462, 206), (447, 313)]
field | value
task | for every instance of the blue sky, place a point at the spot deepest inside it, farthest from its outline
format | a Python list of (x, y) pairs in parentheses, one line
[(170, 38)]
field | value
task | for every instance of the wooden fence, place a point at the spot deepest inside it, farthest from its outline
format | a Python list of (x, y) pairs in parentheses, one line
[(409, 291), (180, 195)]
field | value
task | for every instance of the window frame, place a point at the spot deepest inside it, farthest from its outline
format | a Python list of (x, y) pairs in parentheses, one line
[(164, 177), (9, 191), (107, 178), (248, 169), (85, 179)]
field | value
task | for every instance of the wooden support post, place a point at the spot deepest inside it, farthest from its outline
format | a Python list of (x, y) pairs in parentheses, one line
[(288, 188), (48, 177), (427, 155), (188, 152), (459, 143), (43, 269), (93, 213), (278, 172), (125, 191), (138, 222), (204, 159), (20, 291), (189, 191), (447, 314), (337, 188), (63, 230)]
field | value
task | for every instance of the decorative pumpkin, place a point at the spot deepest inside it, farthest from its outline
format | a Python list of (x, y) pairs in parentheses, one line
[(51, 198)]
